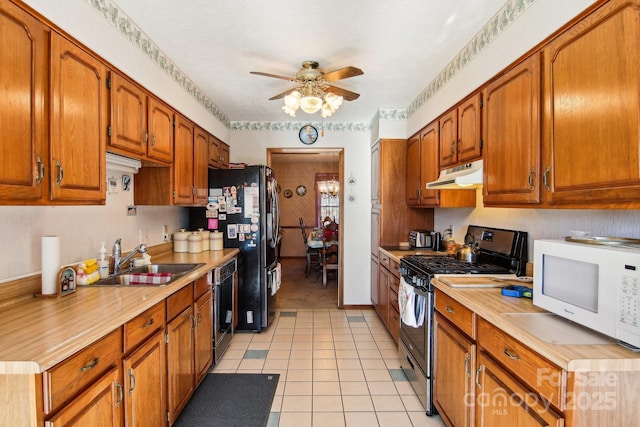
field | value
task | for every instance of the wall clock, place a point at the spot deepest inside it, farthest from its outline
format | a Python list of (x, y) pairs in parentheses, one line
[(308, 134), (301, 190)]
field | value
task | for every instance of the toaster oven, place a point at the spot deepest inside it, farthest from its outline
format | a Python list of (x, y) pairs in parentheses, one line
[(421, 239)]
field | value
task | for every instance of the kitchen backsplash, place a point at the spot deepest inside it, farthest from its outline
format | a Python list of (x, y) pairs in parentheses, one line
[(81, 229)]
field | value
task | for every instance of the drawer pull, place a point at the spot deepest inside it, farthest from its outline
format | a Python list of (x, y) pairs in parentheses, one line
[(449, 309), (478, 376), (467, 359), (91, 365), (148, 323), (510, 355), (120, 394), (132, 382)]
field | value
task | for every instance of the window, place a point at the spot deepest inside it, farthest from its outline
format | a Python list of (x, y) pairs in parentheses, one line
[(327, 204)]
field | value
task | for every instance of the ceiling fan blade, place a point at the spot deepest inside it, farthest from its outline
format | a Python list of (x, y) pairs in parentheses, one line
[(275, 76), (347, 95), (342, 73), (283, 94)]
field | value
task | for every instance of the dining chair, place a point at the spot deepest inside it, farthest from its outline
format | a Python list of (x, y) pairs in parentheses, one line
[(314, 255), (329, 260)]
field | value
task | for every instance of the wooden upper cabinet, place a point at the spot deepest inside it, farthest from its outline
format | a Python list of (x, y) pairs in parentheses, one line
[(413, 170), (429, 168), (214, 152), (224, 156), (183, 167), (592, 110), (24, 159), (200, 166), (140, 124), (79, 110), (511, 135), (460, 132)]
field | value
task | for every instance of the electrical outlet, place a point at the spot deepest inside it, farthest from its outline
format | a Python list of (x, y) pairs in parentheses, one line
[(249, 317), (166, 237), (144, 235)]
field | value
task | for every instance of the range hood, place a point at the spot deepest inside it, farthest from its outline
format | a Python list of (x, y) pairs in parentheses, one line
[(468, 175)]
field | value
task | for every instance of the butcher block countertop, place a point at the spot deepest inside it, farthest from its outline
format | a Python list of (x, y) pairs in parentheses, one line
[(506, 313), (37, 333), (396, 253)]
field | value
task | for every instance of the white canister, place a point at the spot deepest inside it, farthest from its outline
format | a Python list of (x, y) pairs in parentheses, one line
[(216, 243), (195, 243), (180, 243), (205, 238)]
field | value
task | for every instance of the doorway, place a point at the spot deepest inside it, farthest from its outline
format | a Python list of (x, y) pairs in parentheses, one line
[(295, 170)]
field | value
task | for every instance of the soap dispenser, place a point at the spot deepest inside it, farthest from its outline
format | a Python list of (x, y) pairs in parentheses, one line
[(103, 262)]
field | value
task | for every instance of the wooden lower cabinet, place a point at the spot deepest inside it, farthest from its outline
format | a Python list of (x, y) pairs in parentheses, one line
[(98, 405), (502, 401), (180, 362), (454, 365), (145, 397), (388, 283), (203, 335), (383, 295)]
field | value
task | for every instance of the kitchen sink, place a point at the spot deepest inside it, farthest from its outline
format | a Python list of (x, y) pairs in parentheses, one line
[(148, 273)]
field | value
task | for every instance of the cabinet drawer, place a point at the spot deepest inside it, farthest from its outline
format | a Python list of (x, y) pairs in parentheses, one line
[(200, 286), (456, 313), (394, 323), (531, 368), (180, 300), (65, 380), (394, 267), (393, 300), (384, 259), (394, 284), (142, 326)]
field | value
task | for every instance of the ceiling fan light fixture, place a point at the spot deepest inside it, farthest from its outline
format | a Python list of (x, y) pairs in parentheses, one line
[(327, 111), (292, 100), (289, 111), (333, 100), (310, 104)]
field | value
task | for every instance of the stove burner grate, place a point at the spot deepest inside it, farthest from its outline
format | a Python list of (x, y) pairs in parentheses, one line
[(449, 265)]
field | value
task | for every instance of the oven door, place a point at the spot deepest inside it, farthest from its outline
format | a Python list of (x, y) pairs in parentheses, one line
[(415, 336)]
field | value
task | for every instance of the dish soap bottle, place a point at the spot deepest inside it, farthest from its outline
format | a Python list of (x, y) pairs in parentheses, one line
[(103, 262)]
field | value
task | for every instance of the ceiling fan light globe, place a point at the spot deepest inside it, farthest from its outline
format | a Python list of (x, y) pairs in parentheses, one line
[(289, 111), (292, 100), (326, 110), (310, 104), (333, 100)]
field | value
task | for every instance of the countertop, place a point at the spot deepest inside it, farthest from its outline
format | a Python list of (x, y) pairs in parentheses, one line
[(396, 253), (40, 332), (492, 306)]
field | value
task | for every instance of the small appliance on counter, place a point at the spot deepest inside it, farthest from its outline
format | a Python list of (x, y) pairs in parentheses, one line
[(424, 239)]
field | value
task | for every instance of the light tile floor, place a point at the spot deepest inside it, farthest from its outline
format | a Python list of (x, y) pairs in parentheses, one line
[(337, 368)]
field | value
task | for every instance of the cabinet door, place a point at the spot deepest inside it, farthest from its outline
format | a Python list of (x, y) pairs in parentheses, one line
[(592, 106), (501, 401), (469, 129), (183, 162), (180, 361), (79, 112), (128, 116), (449, 138), (375, 174), (214, 152), (511, 135), (224, 156), (160, 125), (144, 384), (203, 335), (429, 167), (98, 405), (454, 361), (200, 167), (374, 283), (413, 171), (375, 231), (23, 65), (383, 295)]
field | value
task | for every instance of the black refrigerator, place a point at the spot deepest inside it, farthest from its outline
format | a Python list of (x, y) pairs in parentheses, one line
[(243, 205)]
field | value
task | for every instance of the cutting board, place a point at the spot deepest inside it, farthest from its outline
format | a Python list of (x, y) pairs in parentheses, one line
[(477, 282)]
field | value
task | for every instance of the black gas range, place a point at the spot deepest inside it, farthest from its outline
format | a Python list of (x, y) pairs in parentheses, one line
[(500, 251)]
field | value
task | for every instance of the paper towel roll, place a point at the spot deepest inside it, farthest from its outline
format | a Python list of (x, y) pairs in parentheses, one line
[(50, 264)]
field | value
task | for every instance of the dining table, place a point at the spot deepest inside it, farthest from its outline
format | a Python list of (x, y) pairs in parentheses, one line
[(328, 261)]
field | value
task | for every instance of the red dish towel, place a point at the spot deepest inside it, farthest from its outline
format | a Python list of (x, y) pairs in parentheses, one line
[(149, 278)]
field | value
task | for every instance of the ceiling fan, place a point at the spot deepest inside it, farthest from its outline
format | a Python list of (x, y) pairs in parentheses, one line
[(315, 91)]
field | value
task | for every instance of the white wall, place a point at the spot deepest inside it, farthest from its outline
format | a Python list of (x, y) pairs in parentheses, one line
[(251, 147)]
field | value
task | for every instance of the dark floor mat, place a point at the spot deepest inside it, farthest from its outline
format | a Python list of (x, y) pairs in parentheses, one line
[(230, 400)]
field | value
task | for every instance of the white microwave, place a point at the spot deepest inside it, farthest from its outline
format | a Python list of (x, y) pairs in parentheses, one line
[(595, 286)]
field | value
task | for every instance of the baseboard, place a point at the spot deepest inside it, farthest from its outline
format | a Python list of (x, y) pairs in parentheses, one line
[(357, 307)]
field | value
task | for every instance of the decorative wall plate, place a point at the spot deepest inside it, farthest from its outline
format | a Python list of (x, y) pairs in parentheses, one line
[(308, 134), (287, 193), (301, 190)]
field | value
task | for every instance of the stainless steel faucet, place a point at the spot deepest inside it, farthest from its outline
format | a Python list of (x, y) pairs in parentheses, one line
[(118, 261)]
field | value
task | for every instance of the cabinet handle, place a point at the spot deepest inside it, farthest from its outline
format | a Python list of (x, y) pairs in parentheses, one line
[(60, 173), (532, 174), (193, 322), (132, 381), (459, 144), (153, 140), (510, 355), (467, 359), (545, 178), (449, 309), (451, 147), (148, 323), (91, 365), (40, 170), (478, 376), (120, 394), (146, 136)]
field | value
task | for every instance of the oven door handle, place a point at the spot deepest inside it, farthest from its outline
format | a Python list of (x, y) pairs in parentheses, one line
[(422, 293)]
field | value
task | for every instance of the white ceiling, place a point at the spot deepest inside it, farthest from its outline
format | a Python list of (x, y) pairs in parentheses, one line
[(400, 45)]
